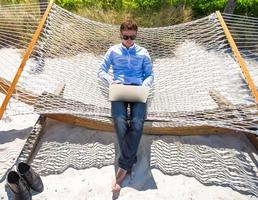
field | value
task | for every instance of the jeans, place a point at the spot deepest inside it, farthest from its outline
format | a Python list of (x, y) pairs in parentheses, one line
[(128, 130)]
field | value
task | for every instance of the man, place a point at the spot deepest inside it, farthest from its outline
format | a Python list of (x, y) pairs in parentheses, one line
[(131, 66)]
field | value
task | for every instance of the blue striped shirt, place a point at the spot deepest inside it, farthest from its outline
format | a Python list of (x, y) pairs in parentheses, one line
[(132, 66)]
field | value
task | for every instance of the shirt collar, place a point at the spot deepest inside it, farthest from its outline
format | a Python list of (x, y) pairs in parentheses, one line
[(130, 48)]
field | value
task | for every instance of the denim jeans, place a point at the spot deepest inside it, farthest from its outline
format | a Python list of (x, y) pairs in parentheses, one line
[(128, 129)]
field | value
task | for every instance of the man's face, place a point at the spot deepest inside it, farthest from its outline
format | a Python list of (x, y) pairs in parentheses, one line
[(128, 37)]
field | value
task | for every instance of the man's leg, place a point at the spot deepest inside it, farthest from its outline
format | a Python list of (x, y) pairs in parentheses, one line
[(119, 115), (133, 137)]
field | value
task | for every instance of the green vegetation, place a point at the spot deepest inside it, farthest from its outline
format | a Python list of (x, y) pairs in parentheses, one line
[(150, 13)]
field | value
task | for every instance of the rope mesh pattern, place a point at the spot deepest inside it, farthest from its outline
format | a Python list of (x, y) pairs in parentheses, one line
[(17, 25), (219, 166), (193, 64), (244, 31), (212, 160), (54, 156)]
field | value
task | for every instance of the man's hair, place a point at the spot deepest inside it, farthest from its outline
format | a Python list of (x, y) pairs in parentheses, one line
[(128, 25)]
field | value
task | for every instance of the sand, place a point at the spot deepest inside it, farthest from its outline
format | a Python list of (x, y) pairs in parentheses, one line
[(77, 163)]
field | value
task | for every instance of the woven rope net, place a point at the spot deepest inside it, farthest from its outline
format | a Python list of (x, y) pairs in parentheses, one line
[(198, 81)]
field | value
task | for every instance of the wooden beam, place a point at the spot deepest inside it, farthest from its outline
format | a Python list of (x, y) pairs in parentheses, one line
[(30, 145), (253, 139), (79, 121), (157, 128), (162, 123), (24, 60), (32, 140), (239, 58), (148, 128), (220, 100), (186, 131)]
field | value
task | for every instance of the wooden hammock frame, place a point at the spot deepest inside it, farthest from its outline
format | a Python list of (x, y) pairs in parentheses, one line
[(30, 98)]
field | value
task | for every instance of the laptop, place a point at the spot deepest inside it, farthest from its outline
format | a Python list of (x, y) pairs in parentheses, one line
[(128, 93)]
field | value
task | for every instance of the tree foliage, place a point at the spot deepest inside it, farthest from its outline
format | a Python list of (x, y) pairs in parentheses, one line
[(150, 12), (199, 7)]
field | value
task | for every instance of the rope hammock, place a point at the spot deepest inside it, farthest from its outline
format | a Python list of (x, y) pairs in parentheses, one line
[(198, 79)]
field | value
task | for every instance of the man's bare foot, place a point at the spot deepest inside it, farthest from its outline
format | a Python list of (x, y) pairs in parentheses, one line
[(120, 176)]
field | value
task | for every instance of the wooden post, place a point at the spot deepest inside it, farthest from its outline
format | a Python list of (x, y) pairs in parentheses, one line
[(239, 58), (24, 60)]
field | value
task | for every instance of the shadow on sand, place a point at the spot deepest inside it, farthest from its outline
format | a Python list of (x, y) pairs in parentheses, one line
[(223, 160)]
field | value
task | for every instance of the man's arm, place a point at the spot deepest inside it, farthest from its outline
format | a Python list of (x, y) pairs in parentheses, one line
[(148, 71), (105, 66)]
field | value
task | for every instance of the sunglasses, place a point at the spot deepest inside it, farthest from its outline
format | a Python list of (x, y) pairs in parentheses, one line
[(127, 37)]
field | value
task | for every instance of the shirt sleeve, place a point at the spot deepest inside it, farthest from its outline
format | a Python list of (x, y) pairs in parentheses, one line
[(148, 71), (104, 68)]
